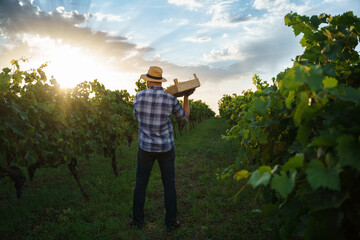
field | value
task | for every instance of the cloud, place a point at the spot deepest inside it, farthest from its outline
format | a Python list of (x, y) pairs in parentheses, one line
[(221, 16), (191, 5), (216, 55), (279, 6), (25, 19), (179, 22), (182, 22), (17, 17), (195, 39), (240, 19), (263, 45), (108, 17), (25, 27)]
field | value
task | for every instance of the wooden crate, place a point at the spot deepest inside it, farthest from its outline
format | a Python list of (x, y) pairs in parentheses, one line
[(179, 89)]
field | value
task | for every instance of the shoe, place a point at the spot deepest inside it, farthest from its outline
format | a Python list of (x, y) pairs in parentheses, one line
[(176, 225), (133, 224)]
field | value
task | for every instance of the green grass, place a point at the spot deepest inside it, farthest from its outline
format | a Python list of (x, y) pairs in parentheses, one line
[(53, 208)]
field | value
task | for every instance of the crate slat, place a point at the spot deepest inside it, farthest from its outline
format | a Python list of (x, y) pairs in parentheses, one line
[(179, 89)]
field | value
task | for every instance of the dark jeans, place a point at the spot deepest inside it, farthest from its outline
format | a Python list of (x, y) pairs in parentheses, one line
[(145, 163)]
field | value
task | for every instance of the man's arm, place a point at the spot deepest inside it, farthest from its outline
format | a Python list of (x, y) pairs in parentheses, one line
[(186, 103), (185, 109), (186, 106)]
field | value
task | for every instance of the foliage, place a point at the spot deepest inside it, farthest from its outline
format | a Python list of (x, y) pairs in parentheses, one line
[(45, 126), (140, 85), (199, 111), (304, 130)]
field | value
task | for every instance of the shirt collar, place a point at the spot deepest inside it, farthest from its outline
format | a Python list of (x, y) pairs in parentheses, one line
[(156, 88)]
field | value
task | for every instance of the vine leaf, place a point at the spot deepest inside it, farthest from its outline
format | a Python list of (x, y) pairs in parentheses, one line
[(284, 184), (346, 93), (314, 77), (320, 176), (289, 99), (260, 104), (348, 151), (294, 162), (323, 141), (300, 108), (329, 82), (260, 177), (243, 174)]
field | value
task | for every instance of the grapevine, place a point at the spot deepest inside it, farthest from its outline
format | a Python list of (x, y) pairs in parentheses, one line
[(303, 130)]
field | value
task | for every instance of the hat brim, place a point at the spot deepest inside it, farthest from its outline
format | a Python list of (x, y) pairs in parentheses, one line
[(146, 78)]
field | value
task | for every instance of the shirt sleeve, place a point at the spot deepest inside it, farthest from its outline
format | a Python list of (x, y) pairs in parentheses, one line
[(179, 111), (134, 106)]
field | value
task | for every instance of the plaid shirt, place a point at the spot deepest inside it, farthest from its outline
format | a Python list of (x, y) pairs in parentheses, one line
[(153, 108)]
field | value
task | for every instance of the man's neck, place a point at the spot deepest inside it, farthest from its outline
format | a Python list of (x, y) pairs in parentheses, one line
[(149, 84)]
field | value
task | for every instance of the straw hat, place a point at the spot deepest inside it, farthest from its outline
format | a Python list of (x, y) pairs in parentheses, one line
[(154, 75)]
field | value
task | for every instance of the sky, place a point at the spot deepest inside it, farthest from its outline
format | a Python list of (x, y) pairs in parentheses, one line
[(115, 41)]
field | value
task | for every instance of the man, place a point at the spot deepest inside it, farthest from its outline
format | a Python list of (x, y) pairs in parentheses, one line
[(153, 108)]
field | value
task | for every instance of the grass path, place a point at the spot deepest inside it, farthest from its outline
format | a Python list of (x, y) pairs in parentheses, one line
[(52, 206)]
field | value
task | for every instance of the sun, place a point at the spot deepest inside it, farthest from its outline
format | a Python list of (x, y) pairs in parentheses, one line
[(71, 64), (68, 64)]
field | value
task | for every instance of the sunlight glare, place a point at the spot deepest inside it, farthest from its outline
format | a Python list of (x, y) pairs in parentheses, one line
[(68, 64)]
